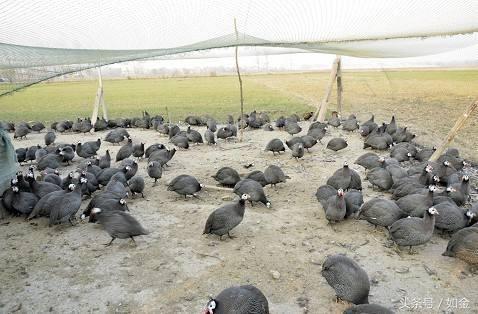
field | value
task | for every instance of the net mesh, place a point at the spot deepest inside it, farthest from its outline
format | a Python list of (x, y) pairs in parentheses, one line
[(43, 39)]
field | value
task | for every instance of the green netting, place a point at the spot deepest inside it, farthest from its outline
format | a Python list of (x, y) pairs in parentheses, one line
[(8, 161), (44, 39)]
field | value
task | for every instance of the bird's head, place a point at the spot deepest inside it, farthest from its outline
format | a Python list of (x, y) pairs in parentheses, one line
[(210, 307)]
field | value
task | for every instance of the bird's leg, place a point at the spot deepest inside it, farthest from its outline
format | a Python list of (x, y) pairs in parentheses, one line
[(132, 239), (220, 238), (252, 205), (142, 195), (109, 243), (230, 236)]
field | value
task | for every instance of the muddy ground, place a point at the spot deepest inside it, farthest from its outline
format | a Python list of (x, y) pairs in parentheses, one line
[(66, 269)]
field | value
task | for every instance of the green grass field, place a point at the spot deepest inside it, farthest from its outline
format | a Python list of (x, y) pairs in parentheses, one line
[(429, 101)]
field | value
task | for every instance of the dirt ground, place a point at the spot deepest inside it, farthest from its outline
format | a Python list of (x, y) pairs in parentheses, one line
[(174, 269)]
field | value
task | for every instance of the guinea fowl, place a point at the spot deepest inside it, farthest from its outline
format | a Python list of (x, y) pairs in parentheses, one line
[(392, 126), (460, 192), (452, 217), (152, 148), (369, 161), (378, 140), (211, 125), (116, 136), (155, 171), (136, 185), (292, 128), (52, 161), (268, 127), (38, 126), (50, 138), (67, 154), (194, 136), (93, 169), (402, 135), (125, 151), (323, 193), (30, 154), (253, 189), (43, 206), (444, 170), (225, 132), (464, 245), (275, 146), (425, 154), (40, 189), (21, 131), (274, 174), (238, 300), (401, 154), (91, 185), (368, 126), (22, 202), (337, 144), (317, 134), (88, 149), (224, 219), (416, 205), (180, 141), (381, 212), (336, 208), (353, 202), (412, 231), (258, 176), (53, 178), (280, 122), (64, 207), (351, 124), (347, 278), (209, 137), (138, 150), (345, 178), (163, 156), (119, 224), (368, 309), (294, 140), (105, 176), (380, 177), (40, 153), (185, 185), (308, 141), (298, 151), (334, 120), (227, 176), (106, 204)]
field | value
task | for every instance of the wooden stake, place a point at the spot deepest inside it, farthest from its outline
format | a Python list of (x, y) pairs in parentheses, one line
[(241, 126), (454, 131), (322, 108), (99, 101), (339, 87)]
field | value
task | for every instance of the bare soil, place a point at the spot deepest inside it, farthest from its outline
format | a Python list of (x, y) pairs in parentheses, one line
[(174, 269)]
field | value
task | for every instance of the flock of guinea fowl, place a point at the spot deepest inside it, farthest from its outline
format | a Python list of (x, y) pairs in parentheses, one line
[(424, 196)]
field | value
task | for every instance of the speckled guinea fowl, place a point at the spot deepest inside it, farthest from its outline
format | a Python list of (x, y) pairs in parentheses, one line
[(460, 192), (50, 138), (238, 300), (227, 176), (323, 193), (353, 202), (381, 212), (209, 137), (416, 204), (155, 171), (43, 206), (368, 309), (136, 185), (452, 217), (274, 174), (292, 128), (345, 178), (412, 231), (185, 185), (22, 202), (298, 151), (224, 219), (275, 146), (347, 278), (125, 151), (64, 207), (40, 189), (380, 177), (258, 176), (317, 134), (336, 208), (369, 160), (337, 144), (119, 224), (253, 189), (464, 245)]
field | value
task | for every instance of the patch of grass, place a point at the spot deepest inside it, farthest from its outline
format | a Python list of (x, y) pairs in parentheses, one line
[(428, 102)]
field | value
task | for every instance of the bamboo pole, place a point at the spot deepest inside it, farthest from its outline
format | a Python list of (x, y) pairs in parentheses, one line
[(454, 131), (241, 123), (322, 108), (339, 87)]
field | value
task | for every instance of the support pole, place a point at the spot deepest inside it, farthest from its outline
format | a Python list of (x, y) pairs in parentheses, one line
[(241, 122), (322, 108), (339, 87), (99, 101), (454, 131)]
